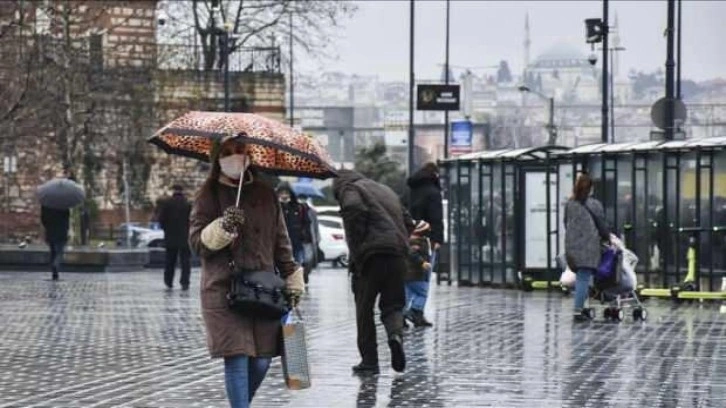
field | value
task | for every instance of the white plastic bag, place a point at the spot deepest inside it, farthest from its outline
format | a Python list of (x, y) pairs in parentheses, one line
[(568, 278), (629, 279), (629, 261)]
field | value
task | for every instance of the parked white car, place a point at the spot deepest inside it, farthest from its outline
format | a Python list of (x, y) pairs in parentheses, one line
[(150, 239), (333, 246)]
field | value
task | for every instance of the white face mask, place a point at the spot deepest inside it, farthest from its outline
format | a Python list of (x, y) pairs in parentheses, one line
[(234, 165)]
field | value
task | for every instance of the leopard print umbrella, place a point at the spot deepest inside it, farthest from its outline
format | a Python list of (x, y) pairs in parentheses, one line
[(273, 146)]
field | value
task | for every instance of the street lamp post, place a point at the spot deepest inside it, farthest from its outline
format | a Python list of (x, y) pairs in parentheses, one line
[(612, 94), (551, 128)]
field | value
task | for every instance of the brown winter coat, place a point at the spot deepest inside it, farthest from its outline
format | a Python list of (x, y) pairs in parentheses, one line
[(263, 244)]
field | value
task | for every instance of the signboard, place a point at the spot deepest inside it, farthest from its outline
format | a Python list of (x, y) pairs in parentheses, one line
[(437, 97), (535, 219), (461, 137)]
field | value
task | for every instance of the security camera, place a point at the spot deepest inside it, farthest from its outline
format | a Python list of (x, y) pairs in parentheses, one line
[(592, 59), (161, 19)]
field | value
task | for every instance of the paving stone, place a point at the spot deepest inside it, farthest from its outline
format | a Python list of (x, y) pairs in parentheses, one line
[(123, 340)]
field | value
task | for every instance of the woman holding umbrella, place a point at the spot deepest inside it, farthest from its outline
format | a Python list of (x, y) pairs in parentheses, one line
[(236, 220), (255, 236)]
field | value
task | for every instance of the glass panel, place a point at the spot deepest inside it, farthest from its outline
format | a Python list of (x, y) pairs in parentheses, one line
[(454, 218), (474, 246), (719, 212), (638, 237), (672, 252), (498, 223), (624, 193), (510, 220), (566, 182), (485, 230), (464, 236), (660, 231)]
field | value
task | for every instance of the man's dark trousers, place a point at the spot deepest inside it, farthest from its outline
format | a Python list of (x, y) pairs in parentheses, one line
[(184, 255), (380, 275)]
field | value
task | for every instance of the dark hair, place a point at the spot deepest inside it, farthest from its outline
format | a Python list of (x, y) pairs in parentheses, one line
[(431, 167), (583, 186)]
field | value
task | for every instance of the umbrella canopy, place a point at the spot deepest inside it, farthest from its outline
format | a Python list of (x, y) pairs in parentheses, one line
[(60, 193), (273, 146), (306, 189)]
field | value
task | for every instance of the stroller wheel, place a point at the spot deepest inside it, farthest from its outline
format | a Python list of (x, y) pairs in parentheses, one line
[(619, 314), (589, 313), (607, 314), (640, 314)]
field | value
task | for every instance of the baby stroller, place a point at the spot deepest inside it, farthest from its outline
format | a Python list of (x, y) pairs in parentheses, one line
[(616, 285)]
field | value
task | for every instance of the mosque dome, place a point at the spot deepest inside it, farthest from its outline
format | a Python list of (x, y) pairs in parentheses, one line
[(562, 55)]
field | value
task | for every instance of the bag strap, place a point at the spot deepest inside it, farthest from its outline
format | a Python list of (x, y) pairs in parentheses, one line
[(596, 220)]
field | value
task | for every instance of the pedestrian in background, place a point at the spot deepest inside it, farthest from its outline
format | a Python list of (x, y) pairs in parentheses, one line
[(418, 275), (426, 203), (376, 228), (56, 223), (296, 219), (583, 239), (173, 217), (254, 236)]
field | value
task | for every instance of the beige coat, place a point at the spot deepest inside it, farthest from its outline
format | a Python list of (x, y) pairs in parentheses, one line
[(263, 244)]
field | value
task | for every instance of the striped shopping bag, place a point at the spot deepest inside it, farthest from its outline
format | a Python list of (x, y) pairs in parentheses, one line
[(295, 365)]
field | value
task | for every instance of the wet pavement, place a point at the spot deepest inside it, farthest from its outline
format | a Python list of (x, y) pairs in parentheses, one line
[(121, 339)]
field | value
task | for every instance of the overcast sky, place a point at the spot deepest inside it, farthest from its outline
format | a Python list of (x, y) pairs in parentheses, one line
[(376, 40)]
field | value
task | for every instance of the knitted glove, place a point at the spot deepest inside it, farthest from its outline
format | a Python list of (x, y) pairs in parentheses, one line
[(232, 219), (295, 286), (215, 237)]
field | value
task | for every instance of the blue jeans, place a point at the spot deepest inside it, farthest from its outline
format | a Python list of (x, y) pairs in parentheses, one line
[(242, 377), (416, 294), (299, 255), (582, 287)]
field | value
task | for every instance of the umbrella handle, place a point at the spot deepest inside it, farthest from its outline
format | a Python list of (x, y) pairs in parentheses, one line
[(239, 187)]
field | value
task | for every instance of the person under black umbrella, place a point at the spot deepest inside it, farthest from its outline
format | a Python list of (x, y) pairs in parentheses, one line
[(173, 216), (56, 223), (56, 198)]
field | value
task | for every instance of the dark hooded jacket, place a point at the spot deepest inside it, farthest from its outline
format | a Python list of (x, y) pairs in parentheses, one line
[(296, 219), (426, 203), (375, 221)]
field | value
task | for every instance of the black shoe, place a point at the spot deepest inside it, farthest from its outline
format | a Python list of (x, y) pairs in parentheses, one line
[(419, 320), (185, 287), (366, 369), (54, 275), (398, 358)]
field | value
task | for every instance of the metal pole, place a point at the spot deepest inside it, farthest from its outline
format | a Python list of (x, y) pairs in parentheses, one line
[(612, 99), (411, 131), (127, 200), (446, 78), (670, 64), (225, 52), (292, 86), (605, 29), (551, 124), (678, 64)]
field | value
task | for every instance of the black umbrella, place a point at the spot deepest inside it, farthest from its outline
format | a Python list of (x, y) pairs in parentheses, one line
[(61, 194)]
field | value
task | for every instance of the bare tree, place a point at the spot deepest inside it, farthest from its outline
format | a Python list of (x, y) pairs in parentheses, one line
[(254, 23)]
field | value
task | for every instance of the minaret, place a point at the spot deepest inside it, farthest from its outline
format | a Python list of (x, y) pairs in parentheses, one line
[(527, 44), (615, 35)]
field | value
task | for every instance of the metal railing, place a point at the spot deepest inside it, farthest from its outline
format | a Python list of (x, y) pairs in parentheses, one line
[(194, 57)]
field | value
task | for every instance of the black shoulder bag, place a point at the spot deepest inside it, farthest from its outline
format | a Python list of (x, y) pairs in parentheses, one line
[(255, 293)]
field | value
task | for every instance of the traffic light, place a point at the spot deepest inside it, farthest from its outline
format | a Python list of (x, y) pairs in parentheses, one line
[(595, 30)]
